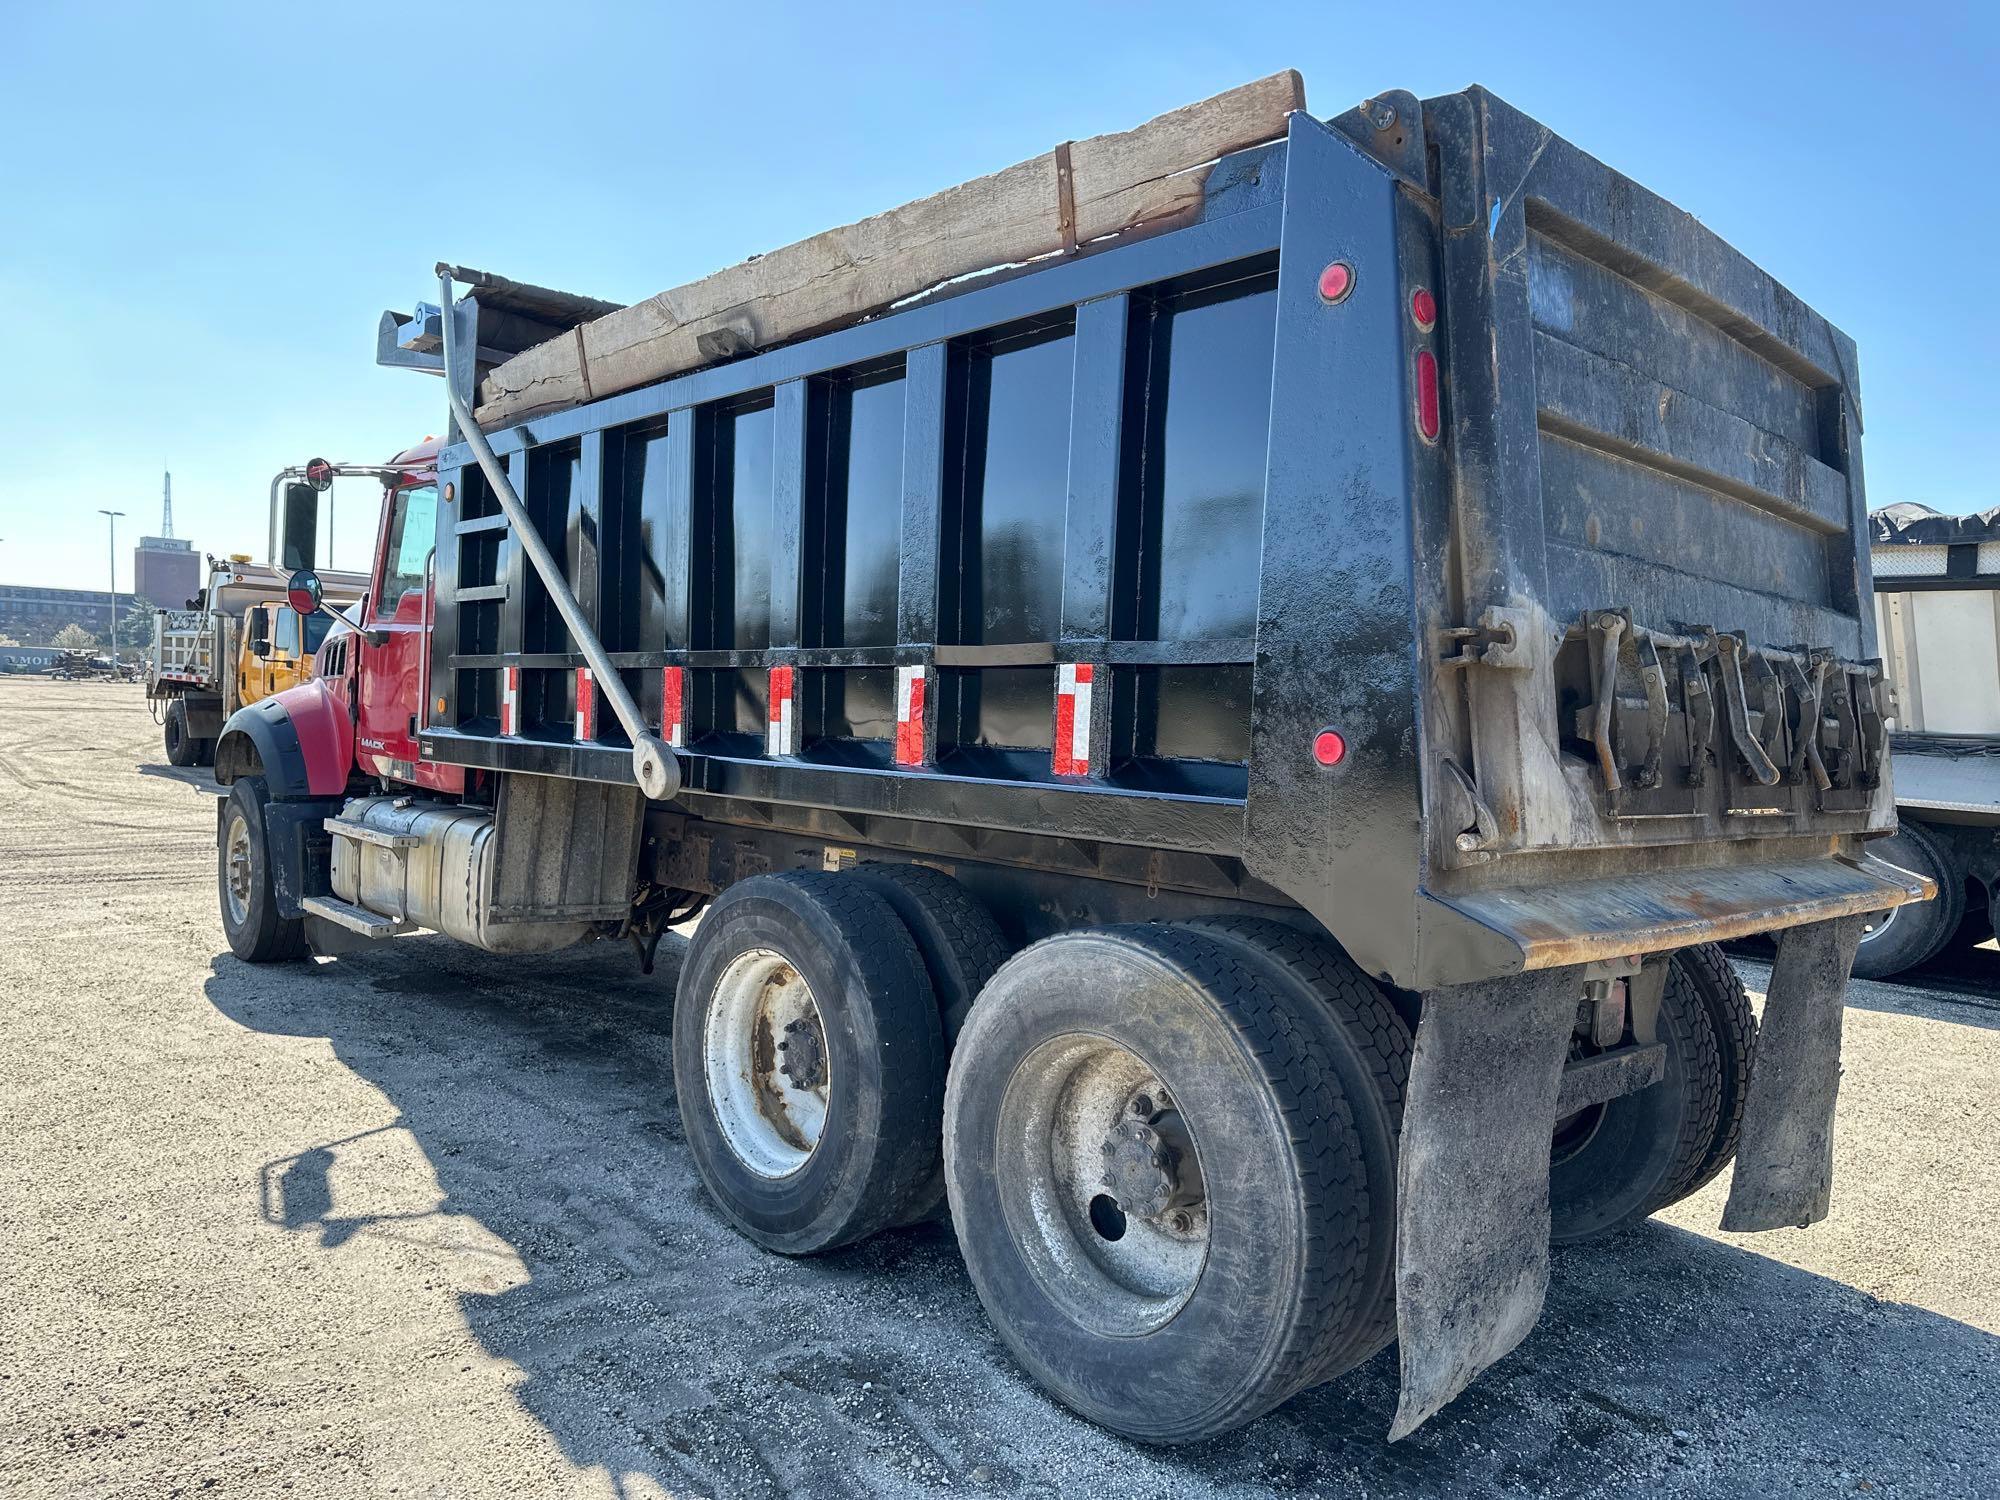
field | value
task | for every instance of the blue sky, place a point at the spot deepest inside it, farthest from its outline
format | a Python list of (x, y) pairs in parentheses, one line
[(204, 208)]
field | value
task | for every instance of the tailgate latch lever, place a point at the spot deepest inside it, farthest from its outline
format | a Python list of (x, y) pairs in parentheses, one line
[(1729, 655)]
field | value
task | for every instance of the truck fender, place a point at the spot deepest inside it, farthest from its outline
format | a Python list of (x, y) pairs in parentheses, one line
[(300, 741)]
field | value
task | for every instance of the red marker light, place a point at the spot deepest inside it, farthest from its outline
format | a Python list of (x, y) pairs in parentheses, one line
[(1427, 395), (1336, 281), (1329, 747), (1424, 308)]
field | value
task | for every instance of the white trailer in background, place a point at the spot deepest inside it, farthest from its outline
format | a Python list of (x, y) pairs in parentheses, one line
[(1937, 602)]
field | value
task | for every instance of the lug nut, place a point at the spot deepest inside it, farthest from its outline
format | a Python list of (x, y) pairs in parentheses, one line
[(1142, 1106), (1182, 1221)]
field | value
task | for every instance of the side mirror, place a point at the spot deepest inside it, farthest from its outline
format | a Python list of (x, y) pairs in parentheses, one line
[(298, 536), (303, 592), (260, 648)]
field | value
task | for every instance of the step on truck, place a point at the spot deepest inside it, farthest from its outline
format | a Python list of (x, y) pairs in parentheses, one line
[(1215, 691), (237, 640), (1937, 582)]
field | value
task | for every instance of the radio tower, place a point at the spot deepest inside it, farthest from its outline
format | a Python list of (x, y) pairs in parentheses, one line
[(167, 506)]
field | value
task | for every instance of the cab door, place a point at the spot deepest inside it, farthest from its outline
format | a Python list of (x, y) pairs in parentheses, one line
[(392, 644), (253, 673)]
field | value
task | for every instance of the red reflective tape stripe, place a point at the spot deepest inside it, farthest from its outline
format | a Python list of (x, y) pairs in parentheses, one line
[(782, 721), (672, 689), (1070, 754), (911, 690), (1065, 763)]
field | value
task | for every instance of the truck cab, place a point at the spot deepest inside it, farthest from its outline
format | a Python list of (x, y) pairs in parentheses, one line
[(277, 649), (235, 643)]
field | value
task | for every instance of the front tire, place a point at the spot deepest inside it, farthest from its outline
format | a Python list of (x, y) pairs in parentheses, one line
[(1156, 1180), (808, 1061), (257, 933)]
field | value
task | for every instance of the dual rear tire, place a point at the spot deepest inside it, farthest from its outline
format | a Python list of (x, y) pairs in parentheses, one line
[(1169, 1150), (182, 746), (1615, 1163), (809, 1061), (1171, 1167)]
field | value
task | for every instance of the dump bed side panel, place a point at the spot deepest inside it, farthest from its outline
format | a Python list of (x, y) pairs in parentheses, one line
[(1667, 630)]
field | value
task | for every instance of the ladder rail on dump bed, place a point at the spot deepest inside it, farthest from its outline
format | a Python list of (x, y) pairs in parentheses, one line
[(1443, 555)]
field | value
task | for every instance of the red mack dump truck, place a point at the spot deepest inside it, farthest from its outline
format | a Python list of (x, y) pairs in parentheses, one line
[(1217, 688)]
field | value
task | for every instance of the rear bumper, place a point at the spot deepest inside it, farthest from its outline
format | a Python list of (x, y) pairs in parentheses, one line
[(1589, 921)]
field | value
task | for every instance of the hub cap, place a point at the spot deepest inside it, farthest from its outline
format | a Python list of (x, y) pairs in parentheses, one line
[(1102, 1185), (236, 876), (764, 1057)]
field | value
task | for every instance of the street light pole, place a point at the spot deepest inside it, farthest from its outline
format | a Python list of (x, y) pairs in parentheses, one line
[(113, 638)]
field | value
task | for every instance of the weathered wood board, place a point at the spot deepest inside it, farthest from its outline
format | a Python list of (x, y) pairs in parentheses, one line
[(1114, 183)]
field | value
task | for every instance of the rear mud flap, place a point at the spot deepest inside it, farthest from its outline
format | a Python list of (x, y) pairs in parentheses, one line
[(1472, 1258), (1784, 1158)]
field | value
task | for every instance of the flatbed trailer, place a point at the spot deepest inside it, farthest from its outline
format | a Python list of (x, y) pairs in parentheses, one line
[(1220, 751)]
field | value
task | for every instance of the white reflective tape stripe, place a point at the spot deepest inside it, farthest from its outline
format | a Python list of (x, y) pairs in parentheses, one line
[(1079, 730), (1066, 678), (785, 724), (904, 677)]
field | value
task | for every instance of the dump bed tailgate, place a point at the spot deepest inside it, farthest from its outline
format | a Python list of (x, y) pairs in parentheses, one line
[(1660, 634), (1665, 619)]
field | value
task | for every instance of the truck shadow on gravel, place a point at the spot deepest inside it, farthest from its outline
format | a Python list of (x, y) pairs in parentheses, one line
[(657, 1346)]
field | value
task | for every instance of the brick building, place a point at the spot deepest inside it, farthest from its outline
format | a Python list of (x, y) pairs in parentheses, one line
[(32, 615)]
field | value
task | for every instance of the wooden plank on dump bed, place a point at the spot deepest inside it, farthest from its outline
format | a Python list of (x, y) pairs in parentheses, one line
[(1116, 182)]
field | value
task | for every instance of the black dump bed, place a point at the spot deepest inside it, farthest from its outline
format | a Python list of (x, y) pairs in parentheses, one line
[(1422, 427)]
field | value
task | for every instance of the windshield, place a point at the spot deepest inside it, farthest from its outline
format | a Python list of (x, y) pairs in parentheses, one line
[(317, 625)]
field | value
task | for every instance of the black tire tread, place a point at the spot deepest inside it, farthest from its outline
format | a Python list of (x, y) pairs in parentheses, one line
[(892, 973), (1363, 1019), (1733, 1026), (270, 938), (182, 749), (969, 940), (1943, 913), (1328, 1161), (961, 948), (1327, 1169)]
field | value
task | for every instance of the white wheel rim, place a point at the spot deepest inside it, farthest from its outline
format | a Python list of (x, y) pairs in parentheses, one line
[(1115, 1272), (236, 870), (758, 1049), (1878, 923)]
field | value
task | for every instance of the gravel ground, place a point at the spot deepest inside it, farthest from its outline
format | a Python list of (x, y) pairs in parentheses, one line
[(422, 1223)]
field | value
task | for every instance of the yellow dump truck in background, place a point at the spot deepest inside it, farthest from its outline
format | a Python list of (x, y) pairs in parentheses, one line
[(240, 642)]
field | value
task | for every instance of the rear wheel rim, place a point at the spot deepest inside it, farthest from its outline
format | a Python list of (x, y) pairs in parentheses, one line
[(765, 1060), (1878, 924), (1117, 1268), (237, 876)]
